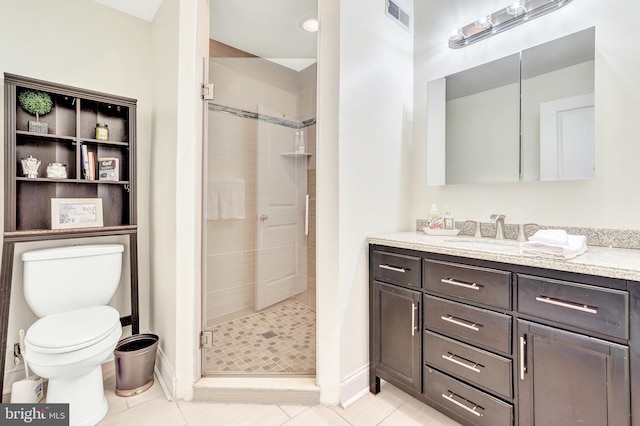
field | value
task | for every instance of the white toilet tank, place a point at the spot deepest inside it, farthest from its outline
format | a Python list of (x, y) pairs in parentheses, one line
[(66, 278)]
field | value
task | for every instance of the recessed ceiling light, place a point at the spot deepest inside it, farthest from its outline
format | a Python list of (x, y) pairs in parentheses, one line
[(310, 25)]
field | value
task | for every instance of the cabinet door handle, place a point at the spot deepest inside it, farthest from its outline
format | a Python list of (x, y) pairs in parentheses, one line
[(569, 305), (523, 347), (461, 405), (392, 268), (450, 319), (414, 308), (472, 286), (451, 358)]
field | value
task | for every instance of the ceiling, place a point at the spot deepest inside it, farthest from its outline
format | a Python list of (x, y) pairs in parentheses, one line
[(143, 9), (266, 28)]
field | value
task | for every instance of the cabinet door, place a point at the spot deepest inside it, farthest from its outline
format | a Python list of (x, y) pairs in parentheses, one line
[(569, 379), (397, 338)]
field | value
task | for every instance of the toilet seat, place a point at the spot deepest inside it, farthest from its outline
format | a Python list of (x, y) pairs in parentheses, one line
[(73, 330)]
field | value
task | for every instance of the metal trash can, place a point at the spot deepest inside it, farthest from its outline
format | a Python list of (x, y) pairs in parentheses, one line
[(135, 358)]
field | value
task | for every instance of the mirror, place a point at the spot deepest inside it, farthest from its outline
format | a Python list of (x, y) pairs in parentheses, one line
[(557, 111), (525, 117)]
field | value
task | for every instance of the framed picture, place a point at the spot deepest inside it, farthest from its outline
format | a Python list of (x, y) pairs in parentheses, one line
[(76, 213)]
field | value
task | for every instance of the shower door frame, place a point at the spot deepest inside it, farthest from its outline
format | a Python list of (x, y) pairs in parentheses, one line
[(207, 337)]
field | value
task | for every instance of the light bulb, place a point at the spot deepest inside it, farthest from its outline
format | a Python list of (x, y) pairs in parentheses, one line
[(310, 25), (484, 22), (516, 8), (456, 34)]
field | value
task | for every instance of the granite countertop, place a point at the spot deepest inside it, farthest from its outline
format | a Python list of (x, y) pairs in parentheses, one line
[(600, 261)]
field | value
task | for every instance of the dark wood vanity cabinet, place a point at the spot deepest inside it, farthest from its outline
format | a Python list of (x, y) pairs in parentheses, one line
[(396, 331), (567, 378), (398, 335), (504, 344)]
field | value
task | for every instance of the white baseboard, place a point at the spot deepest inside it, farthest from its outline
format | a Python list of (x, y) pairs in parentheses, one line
[(165, 374), (354, 386)]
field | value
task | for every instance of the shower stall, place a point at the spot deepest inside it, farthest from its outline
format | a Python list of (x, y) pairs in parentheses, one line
[(259, 271)]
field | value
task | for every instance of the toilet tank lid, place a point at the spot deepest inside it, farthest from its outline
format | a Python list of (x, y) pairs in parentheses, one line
[(72, 251)]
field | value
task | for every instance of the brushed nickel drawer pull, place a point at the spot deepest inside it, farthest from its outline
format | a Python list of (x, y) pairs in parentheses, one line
[(523, 368), (451, 358), (392, 268), (451, 319), (461, 405), (574, 306), (472, 286)]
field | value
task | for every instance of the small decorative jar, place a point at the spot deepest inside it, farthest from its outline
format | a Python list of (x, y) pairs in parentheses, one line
[(56, 171), (102, 132), (30, 167)]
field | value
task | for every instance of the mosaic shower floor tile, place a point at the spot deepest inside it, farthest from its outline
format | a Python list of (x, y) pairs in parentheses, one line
[(281, 340)]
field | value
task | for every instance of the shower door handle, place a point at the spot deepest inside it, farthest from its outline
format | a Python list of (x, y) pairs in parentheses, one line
[(306, 215), (264, 217)]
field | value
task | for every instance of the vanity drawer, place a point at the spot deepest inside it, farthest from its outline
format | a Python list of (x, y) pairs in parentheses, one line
[(597, 309), (474, 365), (467, 323), (397, 269), (470, 403), (483, 285)]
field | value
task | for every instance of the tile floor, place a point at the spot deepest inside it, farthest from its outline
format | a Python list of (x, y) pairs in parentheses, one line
[(280, 340), (391, 407)]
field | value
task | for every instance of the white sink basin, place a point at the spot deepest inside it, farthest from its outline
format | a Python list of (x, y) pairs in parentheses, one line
[(485, 244)]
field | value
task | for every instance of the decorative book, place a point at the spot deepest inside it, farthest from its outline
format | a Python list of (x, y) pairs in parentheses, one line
[(109, 168)]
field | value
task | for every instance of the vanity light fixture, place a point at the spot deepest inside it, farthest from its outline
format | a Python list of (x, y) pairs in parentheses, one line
[(516, 13)]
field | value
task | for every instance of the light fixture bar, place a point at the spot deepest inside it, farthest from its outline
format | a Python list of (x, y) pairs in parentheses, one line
[(511, 16)]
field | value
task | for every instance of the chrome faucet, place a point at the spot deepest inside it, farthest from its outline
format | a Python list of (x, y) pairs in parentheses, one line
[(498, 219)]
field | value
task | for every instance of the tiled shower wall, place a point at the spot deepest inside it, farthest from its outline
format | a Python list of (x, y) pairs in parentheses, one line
[(243, 84)]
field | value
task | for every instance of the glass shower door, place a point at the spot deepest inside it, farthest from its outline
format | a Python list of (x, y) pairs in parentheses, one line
[(257, 297)]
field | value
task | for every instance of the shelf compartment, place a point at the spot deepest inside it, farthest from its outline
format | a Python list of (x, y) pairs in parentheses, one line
[(61, 119), (47, 151), (33, 201), (116, 117)]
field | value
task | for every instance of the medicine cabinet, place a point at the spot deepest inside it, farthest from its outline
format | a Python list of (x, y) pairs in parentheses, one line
[(525, 117)]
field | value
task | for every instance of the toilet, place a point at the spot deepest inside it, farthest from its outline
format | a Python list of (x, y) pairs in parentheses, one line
[(68, 288)]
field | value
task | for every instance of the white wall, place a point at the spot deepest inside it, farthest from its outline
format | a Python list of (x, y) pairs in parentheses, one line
[(601, 202), (163, 192), (176, 169), (368, 77), (74, 42)]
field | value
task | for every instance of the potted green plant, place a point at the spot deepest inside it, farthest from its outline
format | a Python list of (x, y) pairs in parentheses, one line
[(36, 103)]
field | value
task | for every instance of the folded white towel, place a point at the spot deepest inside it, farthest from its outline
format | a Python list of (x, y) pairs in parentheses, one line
[(574, 246), (551, 236), (231, 202), (213, 191), (225, 199)]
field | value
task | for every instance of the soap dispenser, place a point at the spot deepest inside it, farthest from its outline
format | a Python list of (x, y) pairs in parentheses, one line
[(434, 218), (448, 221)]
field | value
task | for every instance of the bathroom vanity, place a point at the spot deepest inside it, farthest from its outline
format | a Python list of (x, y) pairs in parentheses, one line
[(490, 337)]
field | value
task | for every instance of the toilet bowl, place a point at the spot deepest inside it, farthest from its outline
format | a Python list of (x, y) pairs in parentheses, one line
[(69, 288), (72, 361)]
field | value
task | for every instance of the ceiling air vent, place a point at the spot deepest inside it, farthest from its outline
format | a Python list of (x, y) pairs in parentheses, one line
[(395, 12)]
